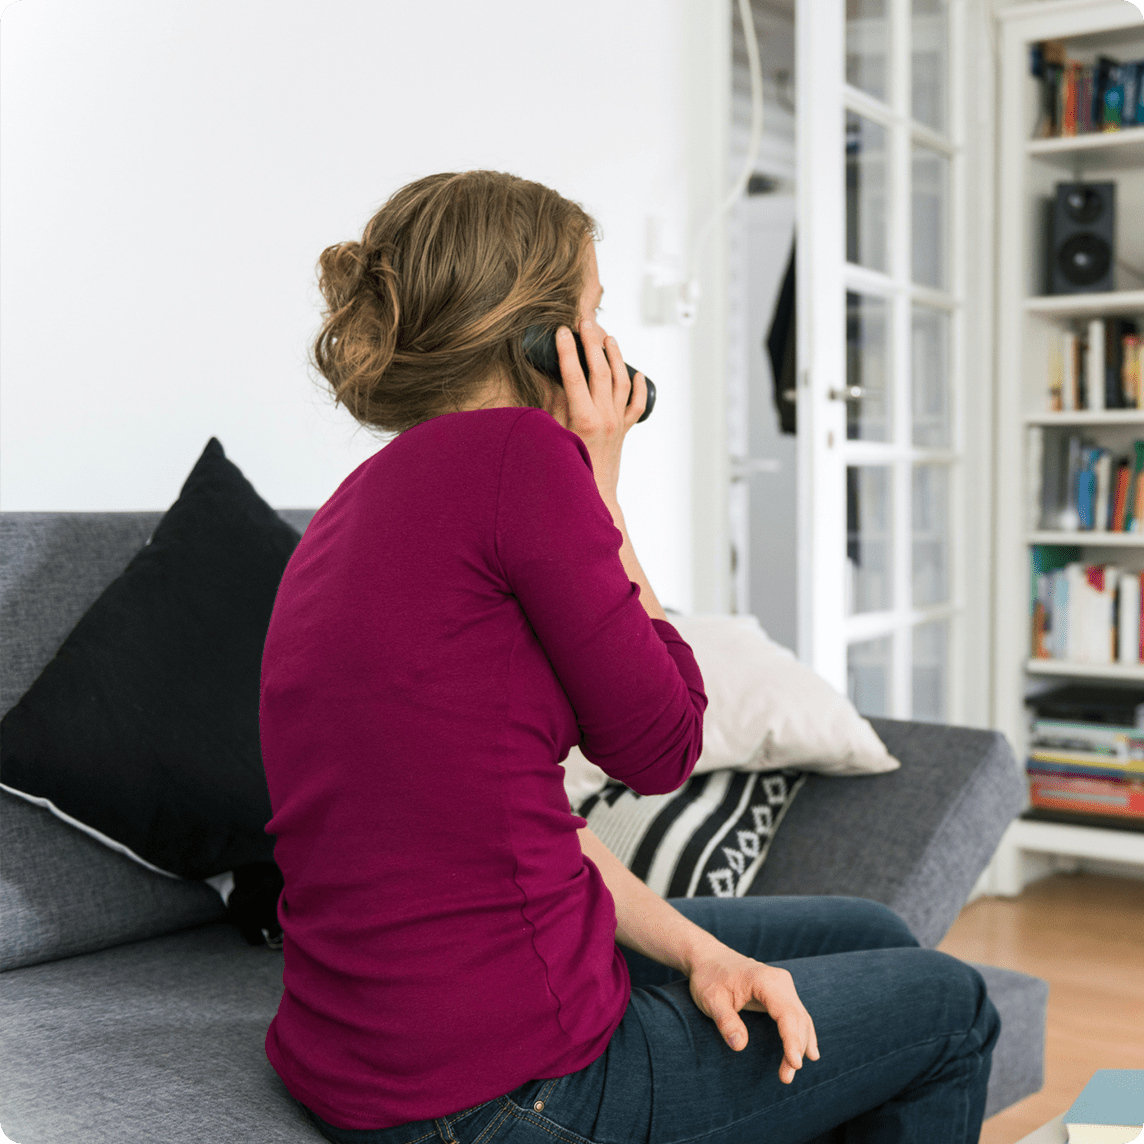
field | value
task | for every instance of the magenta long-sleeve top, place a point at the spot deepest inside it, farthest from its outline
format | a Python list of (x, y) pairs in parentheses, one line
[(454, 620)]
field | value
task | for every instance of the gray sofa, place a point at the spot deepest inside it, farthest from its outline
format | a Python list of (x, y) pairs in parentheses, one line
[(129, 1011)]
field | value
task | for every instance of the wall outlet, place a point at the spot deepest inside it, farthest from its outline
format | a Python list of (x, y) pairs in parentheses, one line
[(669, 297)]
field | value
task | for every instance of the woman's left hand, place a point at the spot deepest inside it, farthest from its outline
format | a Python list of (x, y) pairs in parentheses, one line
[(596, 408), (724, 982)]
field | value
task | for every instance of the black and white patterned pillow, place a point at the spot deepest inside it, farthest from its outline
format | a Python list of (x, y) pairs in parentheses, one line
[(707, 839)]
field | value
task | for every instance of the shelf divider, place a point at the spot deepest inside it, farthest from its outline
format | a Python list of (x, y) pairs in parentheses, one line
[(1087, 417), (1079, 841), (1132, 671), (1095, 150), (1084, 305), (1091, 538)]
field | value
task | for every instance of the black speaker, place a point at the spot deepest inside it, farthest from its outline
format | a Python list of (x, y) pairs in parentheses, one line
[(1082, 238)]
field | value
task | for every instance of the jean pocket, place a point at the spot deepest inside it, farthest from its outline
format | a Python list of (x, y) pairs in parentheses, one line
[(529, 1115)]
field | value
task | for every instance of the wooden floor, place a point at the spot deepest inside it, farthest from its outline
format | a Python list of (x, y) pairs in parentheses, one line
[(1084, 934)]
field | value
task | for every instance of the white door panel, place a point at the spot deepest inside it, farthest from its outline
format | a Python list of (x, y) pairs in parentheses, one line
[(879, 442)]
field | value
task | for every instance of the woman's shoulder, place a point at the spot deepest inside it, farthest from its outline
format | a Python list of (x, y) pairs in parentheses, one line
[(538, 432), (518, 435)]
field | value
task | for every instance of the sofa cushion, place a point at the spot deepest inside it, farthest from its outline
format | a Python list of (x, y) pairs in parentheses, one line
[(1019, 1055), (53, 567), (160, 1040), (709, 838), (61, 893), (915, 839), (143, 728), (767, 711), (164, 1042)]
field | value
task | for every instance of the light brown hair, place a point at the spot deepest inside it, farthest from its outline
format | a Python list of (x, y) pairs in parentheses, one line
[(434, 299)]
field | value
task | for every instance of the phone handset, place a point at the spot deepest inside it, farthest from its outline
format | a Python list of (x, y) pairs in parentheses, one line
[(540, 349)]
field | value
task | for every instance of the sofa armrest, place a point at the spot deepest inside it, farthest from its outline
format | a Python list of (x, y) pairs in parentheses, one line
[(915, 839)]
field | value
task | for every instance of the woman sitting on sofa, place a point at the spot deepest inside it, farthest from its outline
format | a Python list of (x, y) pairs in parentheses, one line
[(464, 960)]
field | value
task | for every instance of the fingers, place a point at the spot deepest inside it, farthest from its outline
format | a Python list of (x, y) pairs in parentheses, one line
[(773, 990), (794, 1038), (638, 403), (796, 1029), (731, 1027), (600, 376), (575, 383)]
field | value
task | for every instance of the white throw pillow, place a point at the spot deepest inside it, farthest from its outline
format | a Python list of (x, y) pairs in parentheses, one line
[(766, 711)]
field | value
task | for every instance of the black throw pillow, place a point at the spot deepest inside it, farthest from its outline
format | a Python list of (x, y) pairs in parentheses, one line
[(144, 726)]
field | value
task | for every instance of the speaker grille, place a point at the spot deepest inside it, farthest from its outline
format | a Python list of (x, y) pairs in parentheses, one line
[(1084, 259)]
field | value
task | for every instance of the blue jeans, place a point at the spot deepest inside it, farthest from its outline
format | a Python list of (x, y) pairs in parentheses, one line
[(905, 1034)]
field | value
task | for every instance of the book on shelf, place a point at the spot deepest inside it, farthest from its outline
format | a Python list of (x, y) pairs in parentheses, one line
[(1079, 98), (1103, 740), (1102, 705), (1076, 487), (1084, 613), (1094, 769), (1097, 369), (1109, 1110), (1114, 797)]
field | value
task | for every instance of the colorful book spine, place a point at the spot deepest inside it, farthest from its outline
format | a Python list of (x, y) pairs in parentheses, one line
[(1130, 77), (1124, 766), (1078, 98), (1124, 799), (1119, 495), (1130, 371), (1136, 463), (1085, 613), (1052, 769), (1086, 493), (1108, 739), (1072, 98)]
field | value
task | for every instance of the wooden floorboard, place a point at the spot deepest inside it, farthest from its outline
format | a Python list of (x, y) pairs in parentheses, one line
[(1084, 934)]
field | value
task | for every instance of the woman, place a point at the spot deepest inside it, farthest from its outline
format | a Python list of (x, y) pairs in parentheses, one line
[(464, 960)]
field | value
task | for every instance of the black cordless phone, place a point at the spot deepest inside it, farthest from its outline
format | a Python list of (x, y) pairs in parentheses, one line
[(540, 349)]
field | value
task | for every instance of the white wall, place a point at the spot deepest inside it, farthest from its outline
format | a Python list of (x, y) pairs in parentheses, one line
[(170, 172)]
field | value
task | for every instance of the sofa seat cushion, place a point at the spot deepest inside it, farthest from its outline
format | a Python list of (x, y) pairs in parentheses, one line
[(163, 1040), (1019, 1056), (158, 1040)]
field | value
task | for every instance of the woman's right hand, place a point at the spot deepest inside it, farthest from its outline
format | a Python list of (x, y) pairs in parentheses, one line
[(596, 408), (723, 982)]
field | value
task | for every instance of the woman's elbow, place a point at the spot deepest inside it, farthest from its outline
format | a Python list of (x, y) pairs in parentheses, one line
[(673, 763)]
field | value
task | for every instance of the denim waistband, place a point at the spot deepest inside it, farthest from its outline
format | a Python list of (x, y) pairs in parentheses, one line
[(437, 1131)]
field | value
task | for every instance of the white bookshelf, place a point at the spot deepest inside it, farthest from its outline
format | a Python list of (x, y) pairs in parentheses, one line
[(1094, 538), (1096, 152), (1064, 306), (1087, 417), (1028, 320), (1133, 672)]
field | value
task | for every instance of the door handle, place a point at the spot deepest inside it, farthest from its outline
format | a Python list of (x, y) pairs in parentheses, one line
[(846, 393)]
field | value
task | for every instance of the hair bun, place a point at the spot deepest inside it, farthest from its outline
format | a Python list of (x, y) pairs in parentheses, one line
[(451, 270)]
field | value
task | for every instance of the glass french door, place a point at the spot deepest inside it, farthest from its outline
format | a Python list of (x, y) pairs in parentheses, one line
[(879, 313)]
